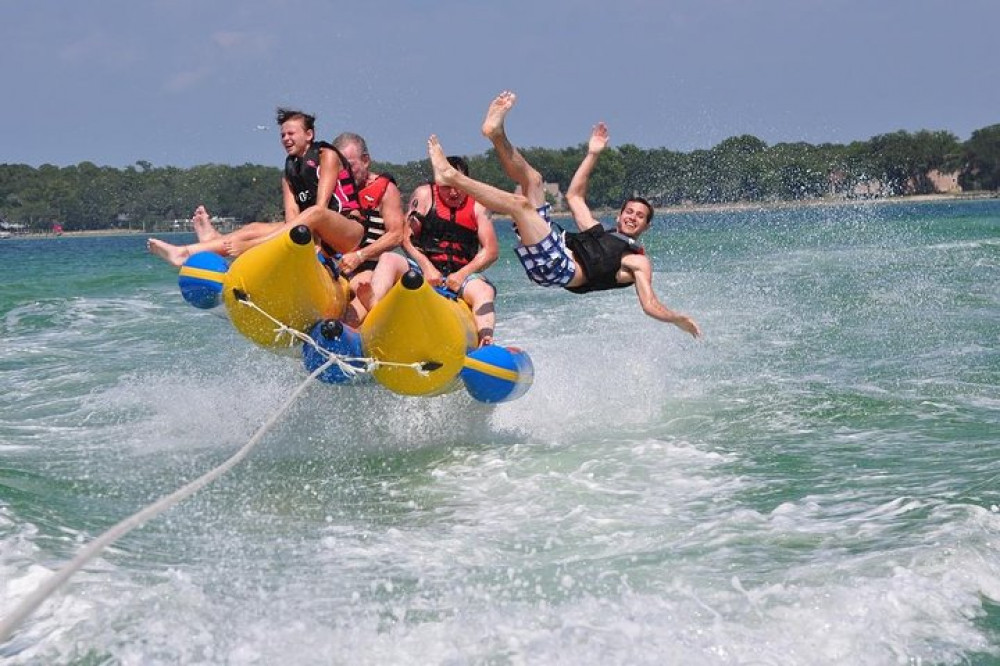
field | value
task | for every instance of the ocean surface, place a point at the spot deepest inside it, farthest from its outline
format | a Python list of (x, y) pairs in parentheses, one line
[(816, 482)]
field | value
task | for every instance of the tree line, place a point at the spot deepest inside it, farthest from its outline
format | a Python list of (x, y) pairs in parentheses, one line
[(739, 169)]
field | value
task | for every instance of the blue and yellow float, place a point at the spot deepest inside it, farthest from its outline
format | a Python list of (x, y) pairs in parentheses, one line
[(416, 341), (200, 280)]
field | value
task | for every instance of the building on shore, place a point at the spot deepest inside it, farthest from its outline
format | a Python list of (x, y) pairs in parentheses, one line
[(8, 229), (945, 183)]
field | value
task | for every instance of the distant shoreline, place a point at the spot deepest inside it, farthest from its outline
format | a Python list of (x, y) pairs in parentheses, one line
[(661, 210)]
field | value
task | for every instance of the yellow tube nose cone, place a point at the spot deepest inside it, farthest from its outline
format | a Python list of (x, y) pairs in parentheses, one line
[(283, 277), (416, 324)]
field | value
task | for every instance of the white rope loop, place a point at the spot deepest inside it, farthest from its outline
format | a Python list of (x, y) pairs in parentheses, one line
[(346, 364)]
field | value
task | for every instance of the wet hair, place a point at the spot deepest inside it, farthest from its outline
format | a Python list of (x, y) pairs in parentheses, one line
[(642, 201), (346, 138), (459, 163), (284, 115)]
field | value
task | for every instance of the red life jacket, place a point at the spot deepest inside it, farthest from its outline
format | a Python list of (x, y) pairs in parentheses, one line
[(449, 236), (370, 198)]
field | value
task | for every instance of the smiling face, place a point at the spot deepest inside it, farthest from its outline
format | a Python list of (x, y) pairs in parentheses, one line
[(295, 137), (634, 218)]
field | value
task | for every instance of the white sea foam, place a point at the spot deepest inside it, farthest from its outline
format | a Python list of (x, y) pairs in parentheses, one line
[(811, 484)]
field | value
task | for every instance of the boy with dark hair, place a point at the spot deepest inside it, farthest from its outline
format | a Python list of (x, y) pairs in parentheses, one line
[(593, 258)]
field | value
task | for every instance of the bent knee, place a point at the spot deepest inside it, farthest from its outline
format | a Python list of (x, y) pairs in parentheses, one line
[(478, 291), (523, 203)]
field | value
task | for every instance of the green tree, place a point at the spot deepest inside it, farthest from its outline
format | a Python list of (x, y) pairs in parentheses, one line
[(981, 155), (740, 168), (739, 171)]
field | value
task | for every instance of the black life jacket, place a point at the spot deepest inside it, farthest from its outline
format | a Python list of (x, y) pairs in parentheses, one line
[(598, 252), (448, 236), (302, 174)]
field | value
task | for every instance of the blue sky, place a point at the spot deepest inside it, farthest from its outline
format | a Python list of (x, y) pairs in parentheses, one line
[(184, 82)]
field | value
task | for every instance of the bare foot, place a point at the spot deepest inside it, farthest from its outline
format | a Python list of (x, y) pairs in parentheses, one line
[(173, 254), (499, 107), (235, 244), (202, 223), (444, 172), (231, 248)]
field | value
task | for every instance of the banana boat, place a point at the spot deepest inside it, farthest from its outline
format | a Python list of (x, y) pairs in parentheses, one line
[(416, 341)]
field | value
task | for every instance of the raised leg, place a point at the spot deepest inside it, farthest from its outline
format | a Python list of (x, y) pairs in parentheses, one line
[(513, 163), (530, 225)]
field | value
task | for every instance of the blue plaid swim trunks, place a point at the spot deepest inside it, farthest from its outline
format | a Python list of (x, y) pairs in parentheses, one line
[(544, 211), (547, 262)]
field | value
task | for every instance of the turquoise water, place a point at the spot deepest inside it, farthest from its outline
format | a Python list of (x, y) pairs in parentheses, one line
[(817, 482)]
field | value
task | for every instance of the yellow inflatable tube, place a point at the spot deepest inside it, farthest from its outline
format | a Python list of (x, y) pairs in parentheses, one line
[(282, 277), (415, 324)]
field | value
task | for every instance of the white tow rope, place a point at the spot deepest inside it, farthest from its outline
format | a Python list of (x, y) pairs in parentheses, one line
[(35, 599), (346, 364)]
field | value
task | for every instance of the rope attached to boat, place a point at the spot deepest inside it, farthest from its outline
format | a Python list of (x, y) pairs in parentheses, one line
[(348, 365), (351, 366), (35, 599)]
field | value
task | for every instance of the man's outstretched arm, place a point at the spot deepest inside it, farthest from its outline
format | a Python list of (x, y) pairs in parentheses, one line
[(576, 194), (642, 271)]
